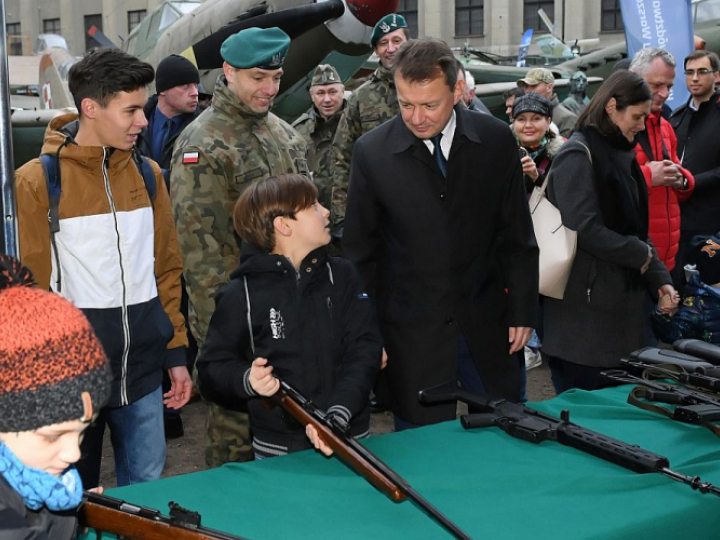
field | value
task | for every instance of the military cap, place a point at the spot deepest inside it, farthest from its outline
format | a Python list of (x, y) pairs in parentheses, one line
[(389, 23), (325, 74), (536, 76), (264, 48)]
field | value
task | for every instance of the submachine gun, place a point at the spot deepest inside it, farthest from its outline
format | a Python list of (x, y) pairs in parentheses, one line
[(334, 433), (533, 426), (127, 520)]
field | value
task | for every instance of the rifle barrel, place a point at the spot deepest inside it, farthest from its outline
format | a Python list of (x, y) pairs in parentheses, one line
[(694, 482)]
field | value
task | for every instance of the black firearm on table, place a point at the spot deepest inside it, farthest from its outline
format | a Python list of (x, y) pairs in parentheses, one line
[(533, 426), (690, 363), (356, 456), (124, 519), (701, 349)]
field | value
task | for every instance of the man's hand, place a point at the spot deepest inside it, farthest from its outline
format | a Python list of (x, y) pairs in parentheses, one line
[(518, 337), (318, 443), (383, 361), (181, 388), (529, 168), (261, 378), (666, 173), (668, 299)]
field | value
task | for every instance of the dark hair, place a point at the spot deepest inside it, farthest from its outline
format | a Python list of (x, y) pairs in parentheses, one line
[(104, 73), (626, 87), (258, 206), (697, 55), (514, 91), (424, 60)]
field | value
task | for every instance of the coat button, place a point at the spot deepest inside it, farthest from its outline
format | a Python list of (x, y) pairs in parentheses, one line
[(279, 263), (308, 270), (449, 321), (314, 261), (442, 196)]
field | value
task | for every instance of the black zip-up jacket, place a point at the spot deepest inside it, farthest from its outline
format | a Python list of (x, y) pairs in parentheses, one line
[(698, 136), (316, 327), (18, 521)]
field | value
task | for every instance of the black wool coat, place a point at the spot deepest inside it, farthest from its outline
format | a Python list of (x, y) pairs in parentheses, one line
[(441, 256)]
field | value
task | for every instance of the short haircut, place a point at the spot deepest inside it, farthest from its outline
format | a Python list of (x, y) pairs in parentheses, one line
[(626, 87), (282, 195), (470, 80), (104, 73), (426, 59), (644, 57), (697, 55), (514, 91)]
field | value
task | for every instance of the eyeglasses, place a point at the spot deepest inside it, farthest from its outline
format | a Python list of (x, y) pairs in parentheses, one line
[(701, 72)]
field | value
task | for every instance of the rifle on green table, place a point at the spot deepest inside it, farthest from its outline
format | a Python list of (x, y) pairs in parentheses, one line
[(334, 434), (533, 426), (124, 519)]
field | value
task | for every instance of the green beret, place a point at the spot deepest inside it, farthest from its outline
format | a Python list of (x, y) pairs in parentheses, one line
[(389, 23), (264, 48), (325, 74)]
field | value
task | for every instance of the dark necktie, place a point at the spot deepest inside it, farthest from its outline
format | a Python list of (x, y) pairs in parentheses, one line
[(438, 155)]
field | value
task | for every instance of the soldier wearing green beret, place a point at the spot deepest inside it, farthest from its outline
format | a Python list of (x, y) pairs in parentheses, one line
[(370, 105), (319, 124), (231, 144)]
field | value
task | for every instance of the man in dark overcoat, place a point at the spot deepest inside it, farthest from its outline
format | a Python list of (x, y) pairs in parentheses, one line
[(439, 228)]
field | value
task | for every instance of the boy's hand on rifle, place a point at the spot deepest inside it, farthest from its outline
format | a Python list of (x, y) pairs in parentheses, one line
[(318, 443), (261, 378)]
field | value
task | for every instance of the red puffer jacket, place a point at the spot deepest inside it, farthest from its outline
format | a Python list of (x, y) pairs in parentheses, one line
[(663, 202)]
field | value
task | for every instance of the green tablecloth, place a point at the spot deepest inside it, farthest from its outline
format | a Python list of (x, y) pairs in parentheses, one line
[(491, 485)]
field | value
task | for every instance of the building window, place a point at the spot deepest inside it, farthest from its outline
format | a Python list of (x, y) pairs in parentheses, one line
[(135, 18), (51, 26), (90, 21), (14, 39), (469, 17), (530, 13), (409, 10), (611, 17)]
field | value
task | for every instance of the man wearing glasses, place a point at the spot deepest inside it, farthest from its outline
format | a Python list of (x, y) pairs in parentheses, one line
[(697, 126)]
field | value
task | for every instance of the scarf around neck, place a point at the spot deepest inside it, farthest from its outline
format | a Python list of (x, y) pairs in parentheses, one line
[(39, 488)]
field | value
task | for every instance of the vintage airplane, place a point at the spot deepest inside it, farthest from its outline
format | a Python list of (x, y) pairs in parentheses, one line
[(333, 31)]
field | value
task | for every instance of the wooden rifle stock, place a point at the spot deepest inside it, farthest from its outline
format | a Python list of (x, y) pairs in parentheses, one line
[(349, 455), (356, 456), (107, 514)]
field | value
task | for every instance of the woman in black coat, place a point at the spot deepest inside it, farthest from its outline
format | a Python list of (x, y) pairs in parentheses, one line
[(605, 200)]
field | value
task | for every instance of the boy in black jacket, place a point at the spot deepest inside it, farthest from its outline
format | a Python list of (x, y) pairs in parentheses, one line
[(293, 312)]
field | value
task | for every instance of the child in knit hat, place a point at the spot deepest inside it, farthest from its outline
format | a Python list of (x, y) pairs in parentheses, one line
[(53, 378), (699, 315)]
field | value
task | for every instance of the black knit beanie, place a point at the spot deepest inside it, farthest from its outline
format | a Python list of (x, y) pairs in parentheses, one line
[(52, 366), (174, 71)]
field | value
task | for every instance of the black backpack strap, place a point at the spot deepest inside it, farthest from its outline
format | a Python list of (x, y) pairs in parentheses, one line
[(148, 175), (51, 167)]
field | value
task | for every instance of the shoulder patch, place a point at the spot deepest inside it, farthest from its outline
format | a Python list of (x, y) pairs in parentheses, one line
[(190, 157)]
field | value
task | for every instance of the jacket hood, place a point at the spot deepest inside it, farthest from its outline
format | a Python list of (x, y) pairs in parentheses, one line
[(60, 140), (254, 260), (696, 286)]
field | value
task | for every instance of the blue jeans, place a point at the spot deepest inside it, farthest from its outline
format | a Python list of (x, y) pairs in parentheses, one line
[(138, 440)]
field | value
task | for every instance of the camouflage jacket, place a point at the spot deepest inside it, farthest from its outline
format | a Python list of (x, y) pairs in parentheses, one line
[(318, 134), (216, 157), (374, 103)]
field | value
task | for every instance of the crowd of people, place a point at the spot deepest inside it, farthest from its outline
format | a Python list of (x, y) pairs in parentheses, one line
[(184, 242)]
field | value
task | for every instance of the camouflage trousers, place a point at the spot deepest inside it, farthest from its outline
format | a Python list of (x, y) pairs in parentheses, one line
[(227, 437)]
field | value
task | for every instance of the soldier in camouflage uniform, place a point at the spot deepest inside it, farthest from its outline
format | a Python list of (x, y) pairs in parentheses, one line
[(318, 127), (372, 104), (231, 144)]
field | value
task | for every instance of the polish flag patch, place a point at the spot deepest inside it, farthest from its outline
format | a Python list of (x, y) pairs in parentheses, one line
[(191, 157)]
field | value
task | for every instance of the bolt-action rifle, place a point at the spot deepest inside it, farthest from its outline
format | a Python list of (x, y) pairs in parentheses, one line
[(672, 371), (691, 364), (124, 519), (333, 432), (533, 426)]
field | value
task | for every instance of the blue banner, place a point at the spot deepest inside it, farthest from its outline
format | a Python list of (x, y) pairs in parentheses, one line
[(524, 46), (661, 23)]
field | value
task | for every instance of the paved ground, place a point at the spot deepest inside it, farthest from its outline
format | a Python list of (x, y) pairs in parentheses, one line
[(186, 454)]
